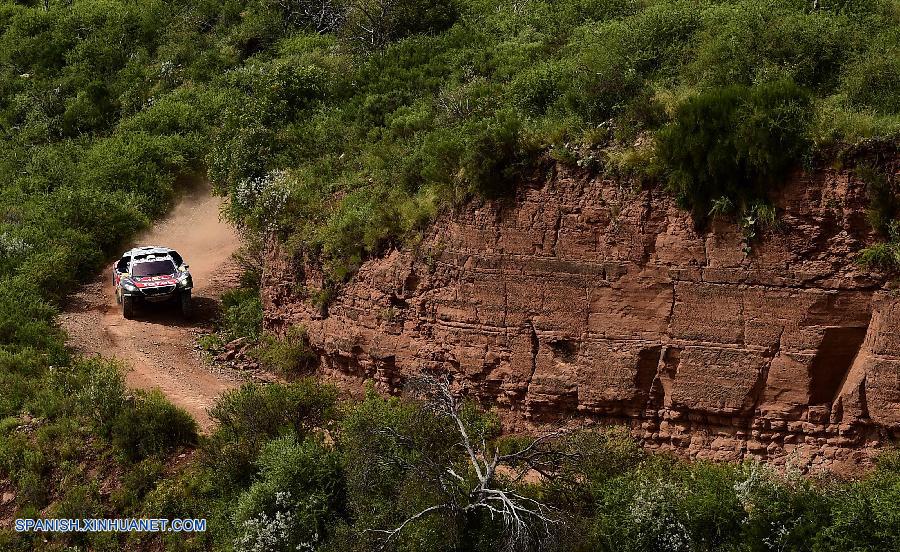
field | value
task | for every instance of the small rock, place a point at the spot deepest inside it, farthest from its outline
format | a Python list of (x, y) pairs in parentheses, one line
[(236, 343), (225, 356)]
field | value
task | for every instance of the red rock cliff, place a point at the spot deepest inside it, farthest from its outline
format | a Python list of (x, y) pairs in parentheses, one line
[(585, 298)]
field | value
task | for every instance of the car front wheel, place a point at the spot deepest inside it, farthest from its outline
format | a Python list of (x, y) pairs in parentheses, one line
[(186, 304), (128, 307)]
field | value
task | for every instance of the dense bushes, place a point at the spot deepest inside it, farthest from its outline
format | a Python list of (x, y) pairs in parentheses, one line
[(884, 216), (289, 356), (71, 429), (439, 116), (152, 426), (334, 477), (241, 313), (255, 414), (372, 24), (294, 502), (290, 465), (733, 144), (617, 61), (74, 186), (883, 255)]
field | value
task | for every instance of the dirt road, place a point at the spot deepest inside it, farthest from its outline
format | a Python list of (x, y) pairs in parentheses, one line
[(158, 345)]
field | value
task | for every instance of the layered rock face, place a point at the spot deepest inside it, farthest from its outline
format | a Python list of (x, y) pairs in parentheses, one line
[(585, 299)]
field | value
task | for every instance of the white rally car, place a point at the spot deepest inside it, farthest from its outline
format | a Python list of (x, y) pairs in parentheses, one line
[(152, 275)]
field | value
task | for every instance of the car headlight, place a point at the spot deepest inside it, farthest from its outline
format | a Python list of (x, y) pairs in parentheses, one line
[(128, 286), (184, 279)]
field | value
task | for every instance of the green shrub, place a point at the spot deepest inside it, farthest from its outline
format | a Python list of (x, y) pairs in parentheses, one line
[(713, 515), (396, 456), (537, 89), (102, 397), (884, 198), (757, 41), (882, 256), (137, 482), (139, 163), (190, 493), (258, 29), (863, 522), (242, 314), (289, 356), (873, 78), (836, 124), (211, 343), (735, 142), (254, 410), (782, 510), (597, 458), (239, 151), (616, 60), (482, 156), (863, 515), (186, 111), (250, 416), (884, 216), (26, 466), (80, 502), (150, 425), (26, 321), (295, 498)]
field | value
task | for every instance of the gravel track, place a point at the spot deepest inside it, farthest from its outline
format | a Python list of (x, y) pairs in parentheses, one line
[(158, 345)]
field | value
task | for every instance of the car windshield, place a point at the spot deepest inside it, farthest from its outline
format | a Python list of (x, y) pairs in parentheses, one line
[(153, 268)]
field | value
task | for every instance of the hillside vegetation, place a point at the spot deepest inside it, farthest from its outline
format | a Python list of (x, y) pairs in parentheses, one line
[(343, 127)]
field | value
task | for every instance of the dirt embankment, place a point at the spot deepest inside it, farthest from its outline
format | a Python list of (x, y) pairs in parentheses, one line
[(584, 298), (158, 345)]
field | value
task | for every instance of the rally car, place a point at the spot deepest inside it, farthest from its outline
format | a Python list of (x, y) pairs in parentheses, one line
[(152, 275)]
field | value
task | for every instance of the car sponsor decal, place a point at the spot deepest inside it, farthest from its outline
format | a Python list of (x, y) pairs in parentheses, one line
[(154, 281)]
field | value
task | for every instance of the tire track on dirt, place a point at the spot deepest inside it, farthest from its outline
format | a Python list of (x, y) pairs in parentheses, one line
[(158, 344)]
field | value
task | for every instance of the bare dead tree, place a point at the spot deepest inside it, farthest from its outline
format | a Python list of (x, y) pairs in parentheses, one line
[(323, 16), (369, 22), (525, 519), (518, 6)]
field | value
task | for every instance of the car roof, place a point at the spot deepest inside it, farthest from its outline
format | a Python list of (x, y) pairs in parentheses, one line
[(147, 250), (151, 258), (150, 253)]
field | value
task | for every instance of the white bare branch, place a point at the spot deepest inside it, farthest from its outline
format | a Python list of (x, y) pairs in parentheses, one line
[(391, 533), (321, 15), (524, 518)]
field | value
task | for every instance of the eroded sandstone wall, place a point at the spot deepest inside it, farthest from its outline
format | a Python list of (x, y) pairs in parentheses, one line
[(585, 298)]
